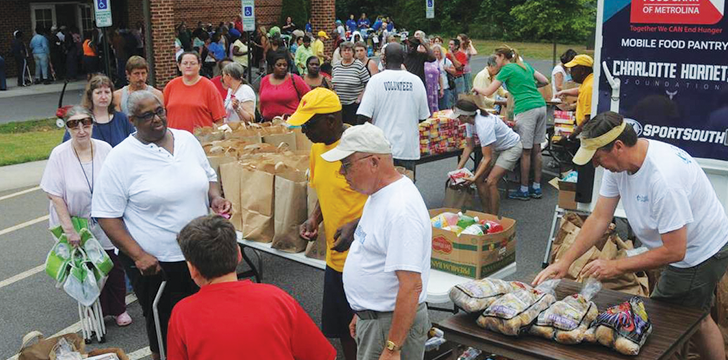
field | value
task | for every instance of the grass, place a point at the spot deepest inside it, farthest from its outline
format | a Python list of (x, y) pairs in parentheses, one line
[(26, 141), (530, 50)]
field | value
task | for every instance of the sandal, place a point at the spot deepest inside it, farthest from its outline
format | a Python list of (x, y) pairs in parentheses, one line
[(123, 320)]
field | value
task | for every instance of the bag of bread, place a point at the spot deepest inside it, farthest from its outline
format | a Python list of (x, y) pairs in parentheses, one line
[(475, 296), (567, 320), (624, 327), (513, 313)]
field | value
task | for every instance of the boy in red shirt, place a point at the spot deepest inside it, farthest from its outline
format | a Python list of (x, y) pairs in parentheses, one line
[(231, 319)]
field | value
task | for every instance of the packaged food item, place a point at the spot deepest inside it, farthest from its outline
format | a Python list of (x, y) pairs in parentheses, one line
[(444, 220), (454, 228), (475, 296), (492, 226), (513, 313), (567, 321), (458, 176), (475, 229), (624, 327), (465, 221)]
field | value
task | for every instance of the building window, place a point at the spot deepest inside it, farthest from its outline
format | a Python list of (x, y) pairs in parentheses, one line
[(87, 17), (43, 17)]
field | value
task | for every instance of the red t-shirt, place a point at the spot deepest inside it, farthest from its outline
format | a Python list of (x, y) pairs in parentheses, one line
[(217, 81), (244, 320), (462, 58), (190, 107), (276, 100)]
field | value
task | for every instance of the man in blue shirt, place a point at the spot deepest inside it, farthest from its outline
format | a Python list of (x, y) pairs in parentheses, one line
[(41, 50)]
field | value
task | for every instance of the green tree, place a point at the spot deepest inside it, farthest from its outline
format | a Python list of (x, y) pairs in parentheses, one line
[(554, 20), (296, 9)]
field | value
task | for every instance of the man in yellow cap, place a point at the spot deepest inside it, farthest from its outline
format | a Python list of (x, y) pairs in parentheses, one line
[(671, 207), (582, 72), (339, 207), (318, 46)]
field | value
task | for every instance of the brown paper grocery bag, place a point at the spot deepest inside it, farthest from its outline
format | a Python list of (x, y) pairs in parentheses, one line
[(217, 160), (288, 138), (302, 141), (230, 174), (289, 211), (316, 249), (42, 349), (256, 203), (458, 198)]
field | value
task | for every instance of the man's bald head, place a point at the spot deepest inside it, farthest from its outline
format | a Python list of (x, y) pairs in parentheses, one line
[(394, 55)]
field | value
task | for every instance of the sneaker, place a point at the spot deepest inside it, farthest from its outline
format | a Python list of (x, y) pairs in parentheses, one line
[(123, 320), (519, 195), (535, 193)]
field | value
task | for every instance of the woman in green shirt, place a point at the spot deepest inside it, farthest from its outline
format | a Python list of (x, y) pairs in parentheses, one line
[(522, 82)]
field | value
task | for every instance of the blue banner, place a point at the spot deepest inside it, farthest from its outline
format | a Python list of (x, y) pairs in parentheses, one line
[(672, 59)]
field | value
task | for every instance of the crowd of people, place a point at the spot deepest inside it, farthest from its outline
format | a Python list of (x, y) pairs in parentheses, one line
[(63, 53), (363, 120)]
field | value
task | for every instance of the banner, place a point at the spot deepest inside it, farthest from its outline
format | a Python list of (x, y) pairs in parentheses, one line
[(670, 56)]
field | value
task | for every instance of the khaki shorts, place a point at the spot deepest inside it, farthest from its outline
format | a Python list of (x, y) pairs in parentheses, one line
[(693, 286), (508, 158), (531, 126), (371, 335)]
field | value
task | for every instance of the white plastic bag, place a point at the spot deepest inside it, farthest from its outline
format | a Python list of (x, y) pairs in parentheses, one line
[(81, 284), (567, 320), (513, 313)]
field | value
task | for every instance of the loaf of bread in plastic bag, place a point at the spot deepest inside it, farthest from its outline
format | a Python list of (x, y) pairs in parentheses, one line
[(566, 321), (513, 313), (475, 296), (624, 327)]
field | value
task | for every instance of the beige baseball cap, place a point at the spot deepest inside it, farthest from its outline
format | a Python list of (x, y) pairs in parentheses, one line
[(590, 146), (365, 138)]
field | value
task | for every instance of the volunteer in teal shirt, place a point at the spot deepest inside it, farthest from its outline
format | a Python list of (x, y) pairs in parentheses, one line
[(522, 82)]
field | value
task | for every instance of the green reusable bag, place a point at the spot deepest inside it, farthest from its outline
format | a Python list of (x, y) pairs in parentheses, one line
[(58, 261)]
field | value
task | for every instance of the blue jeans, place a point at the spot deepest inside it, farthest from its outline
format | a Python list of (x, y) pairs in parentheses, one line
[(3, 84), (459, 88), (468, 81), (41, 66), (446, 101)]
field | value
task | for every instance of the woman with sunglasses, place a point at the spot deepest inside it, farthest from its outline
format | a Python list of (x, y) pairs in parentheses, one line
[(110, 126), (280, 91), (69, 180), (143, 207)]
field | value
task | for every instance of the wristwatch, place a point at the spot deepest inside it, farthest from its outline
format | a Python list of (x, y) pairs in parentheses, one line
[(391, 346)]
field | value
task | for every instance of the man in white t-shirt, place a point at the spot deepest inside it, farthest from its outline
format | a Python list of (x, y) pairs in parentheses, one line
[(501, 147), (388, 265), (396, 103), (671, 207)]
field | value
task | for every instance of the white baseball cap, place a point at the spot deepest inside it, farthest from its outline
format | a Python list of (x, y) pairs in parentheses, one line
[(365, 138)]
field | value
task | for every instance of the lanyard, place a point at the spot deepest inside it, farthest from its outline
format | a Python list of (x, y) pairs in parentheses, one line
[(89, 183)]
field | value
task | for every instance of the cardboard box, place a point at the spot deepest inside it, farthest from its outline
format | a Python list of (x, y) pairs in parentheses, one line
[(473, 256), (567, 193)]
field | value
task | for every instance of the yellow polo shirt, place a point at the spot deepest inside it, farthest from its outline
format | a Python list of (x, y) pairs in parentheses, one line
[(583, 102), (339, 203), (318, 49)]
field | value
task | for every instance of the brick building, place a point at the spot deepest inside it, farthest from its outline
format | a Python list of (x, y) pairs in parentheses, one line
[(24, 15)]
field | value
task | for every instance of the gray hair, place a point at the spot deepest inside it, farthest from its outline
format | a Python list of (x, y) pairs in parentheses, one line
[(136, 98), (438, 47), (235, 70), (77, 110), (347, 45), (490, 61)]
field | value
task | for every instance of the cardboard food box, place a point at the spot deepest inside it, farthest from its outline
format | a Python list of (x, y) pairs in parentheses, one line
[(567, 193), (473, 256)]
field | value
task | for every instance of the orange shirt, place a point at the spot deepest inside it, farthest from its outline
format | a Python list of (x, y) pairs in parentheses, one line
[(87, 49), (192, 106)]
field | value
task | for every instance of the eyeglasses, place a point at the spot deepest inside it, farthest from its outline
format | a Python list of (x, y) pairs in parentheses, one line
[(149, 115), (346, 166), (73, 124)]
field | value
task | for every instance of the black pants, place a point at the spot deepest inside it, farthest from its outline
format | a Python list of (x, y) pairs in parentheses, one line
[(179, 286), (20, 69), (349, 113)]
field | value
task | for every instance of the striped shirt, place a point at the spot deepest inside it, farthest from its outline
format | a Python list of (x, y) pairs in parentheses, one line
[(349, 81)]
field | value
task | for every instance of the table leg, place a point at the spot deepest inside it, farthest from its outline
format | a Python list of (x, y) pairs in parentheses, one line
[(253, 272), (558, 213)]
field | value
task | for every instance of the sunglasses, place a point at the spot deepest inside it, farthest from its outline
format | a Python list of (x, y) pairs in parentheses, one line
[(72, 124), (149, 115)]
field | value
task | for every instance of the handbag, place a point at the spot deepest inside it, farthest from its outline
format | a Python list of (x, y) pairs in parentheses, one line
[(458, 197)]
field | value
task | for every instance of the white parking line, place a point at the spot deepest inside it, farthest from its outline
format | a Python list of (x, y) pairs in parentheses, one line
[(139, 354), (19, 193), (25, 224), (22, 275), (77, 327)]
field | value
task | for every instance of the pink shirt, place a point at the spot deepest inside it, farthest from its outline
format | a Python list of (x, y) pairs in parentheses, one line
[(276, 100), (63, 177)]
